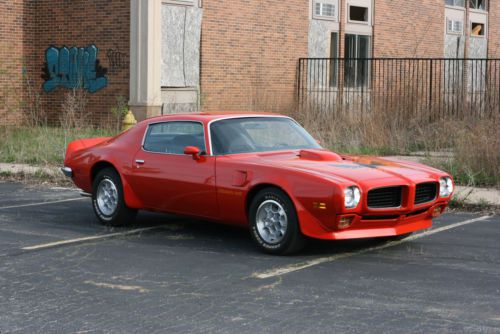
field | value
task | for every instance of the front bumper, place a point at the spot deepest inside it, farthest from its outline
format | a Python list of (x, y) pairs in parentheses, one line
[(68, 172), (366, 226)]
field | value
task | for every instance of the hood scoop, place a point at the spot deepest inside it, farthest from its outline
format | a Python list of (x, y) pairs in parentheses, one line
[(319, 155)]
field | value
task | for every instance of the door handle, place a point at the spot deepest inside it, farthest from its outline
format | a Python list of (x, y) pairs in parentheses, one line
[(139, 162)]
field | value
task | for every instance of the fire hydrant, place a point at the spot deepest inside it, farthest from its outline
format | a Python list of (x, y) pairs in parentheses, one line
[(128, 121)]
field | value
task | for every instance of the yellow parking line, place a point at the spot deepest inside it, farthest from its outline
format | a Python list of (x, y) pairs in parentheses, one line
[(307, 264)]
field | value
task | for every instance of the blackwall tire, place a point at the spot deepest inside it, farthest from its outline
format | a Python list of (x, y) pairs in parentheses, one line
[(108, 200), (274, 224)]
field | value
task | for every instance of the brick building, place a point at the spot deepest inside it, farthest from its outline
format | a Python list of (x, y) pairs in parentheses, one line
[(181, 55)]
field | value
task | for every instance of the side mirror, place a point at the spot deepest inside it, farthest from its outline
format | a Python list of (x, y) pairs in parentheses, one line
[(193, 151)]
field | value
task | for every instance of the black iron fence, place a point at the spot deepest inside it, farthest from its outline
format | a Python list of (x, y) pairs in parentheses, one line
[(408, 87)]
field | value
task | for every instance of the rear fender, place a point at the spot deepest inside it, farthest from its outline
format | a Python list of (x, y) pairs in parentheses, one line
[(81, 144), (131, 199)]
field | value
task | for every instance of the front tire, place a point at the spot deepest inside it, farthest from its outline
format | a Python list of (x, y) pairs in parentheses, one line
[(274, 224), (108, 200)]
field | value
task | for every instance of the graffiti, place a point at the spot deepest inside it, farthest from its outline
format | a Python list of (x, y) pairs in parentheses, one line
[(73, 68), (116, 60)]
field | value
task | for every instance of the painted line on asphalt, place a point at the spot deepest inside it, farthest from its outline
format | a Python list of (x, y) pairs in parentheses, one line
[(41, 203), (86, 239), (307, 264), (118, 286)]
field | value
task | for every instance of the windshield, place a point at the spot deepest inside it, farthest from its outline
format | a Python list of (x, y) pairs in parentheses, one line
[(258, 134)]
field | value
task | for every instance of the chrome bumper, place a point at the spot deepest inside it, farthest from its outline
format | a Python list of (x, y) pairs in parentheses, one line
[(68, 172)]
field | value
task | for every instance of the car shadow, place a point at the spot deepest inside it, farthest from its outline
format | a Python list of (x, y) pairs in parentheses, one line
[(226, 238)]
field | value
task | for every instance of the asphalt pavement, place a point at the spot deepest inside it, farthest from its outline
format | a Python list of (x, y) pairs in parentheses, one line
[(62, 272)]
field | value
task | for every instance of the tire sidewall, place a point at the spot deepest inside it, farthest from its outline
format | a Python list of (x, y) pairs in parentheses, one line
[(292, 221)]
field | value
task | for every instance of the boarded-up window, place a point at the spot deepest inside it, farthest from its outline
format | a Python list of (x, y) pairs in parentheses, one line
[(181, 30)]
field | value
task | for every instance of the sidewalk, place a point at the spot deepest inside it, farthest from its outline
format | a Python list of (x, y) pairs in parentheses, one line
[(12, 168), (469, 195)]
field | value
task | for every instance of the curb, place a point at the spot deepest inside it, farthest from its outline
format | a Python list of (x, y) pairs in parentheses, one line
[(16, 169)]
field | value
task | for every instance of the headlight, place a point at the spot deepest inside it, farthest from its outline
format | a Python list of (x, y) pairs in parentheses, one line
[(352, 196), (445, 186)]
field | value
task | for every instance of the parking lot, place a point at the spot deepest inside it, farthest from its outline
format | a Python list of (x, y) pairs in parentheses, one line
[(60, 271)]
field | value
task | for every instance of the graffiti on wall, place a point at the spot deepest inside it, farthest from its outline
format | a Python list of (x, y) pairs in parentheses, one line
[(73, 68), (117, 60)]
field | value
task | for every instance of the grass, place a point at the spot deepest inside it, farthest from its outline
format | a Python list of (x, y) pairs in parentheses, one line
[(472, 144), (42, 145)]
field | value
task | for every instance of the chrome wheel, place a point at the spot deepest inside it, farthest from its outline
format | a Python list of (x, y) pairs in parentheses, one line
[(107, 197), (271, 221)]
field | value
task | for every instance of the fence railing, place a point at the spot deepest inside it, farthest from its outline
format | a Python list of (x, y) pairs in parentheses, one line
[(409, 87)]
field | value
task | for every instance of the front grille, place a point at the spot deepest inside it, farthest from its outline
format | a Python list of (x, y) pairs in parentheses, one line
[(425, 192), (389, 197)]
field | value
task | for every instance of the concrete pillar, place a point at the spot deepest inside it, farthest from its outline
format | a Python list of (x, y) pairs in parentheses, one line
[(145, 58)]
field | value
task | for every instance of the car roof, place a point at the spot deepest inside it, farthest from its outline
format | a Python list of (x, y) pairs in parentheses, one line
[(209, 116)]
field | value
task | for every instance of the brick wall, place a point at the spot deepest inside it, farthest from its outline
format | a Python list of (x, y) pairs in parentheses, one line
[(14, 18), (249, 53), (81, 23), (494, 29), (409, 28)]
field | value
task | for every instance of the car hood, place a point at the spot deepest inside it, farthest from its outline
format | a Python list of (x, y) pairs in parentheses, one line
[(354, 169)]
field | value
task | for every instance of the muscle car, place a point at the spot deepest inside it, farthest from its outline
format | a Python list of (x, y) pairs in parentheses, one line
[(262, 171)]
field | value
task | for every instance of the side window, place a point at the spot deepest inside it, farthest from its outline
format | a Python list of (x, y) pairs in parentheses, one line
[(173, 137)]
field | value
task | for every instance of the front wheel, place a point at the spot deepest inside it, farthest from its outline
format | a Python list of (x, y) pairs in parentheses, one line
[(274, 224), (108, 200)]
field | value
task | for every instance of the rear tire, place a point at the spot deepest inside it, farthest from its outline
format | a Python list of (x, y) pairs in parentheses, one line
[(108, 200), (274, 224)]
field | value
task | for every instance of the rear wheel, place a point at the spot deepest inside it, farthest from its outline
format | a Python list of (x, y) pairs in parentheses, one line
[(274, 224), (108, 200)]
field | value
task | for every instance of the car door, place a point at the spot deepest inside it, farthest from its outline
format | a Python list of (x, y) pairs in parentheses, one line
[(166, 179)]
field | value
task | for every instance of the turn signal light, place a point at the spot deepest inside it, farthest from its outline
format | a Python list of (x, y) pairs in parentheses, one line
[(345, 222)]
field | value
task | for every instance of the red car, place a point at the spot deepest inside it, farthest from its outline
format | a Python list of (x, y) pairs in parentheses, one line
[(258, 170)]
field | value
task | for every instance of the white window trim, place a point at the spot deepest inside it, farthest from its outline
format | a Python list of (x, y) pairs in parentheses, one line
[(456, 7), (182, 2), (479, 11), (334, 18)]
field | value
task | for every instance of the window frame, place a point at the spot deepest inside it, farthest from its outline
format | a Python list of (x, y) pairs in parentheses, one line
[(453, 32), (333, 66), (485, 33), (456, 6), (356, 60), (202, 152), (368, 13), (334, 3), (181, 2), (479, 10), (209, 130)]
